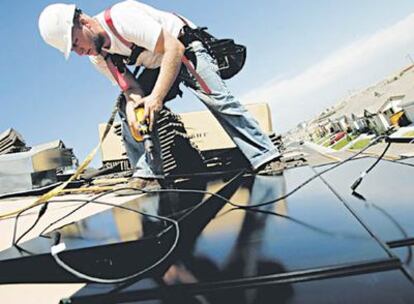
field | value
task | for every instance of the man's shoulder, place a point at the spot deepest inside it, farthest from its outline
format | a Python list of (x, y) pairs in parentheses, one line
[(119, 11), (121, 6), (128, 5)]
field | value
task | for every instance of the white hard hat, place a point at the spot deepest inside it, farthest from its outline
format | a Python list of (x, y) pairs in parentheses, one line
[(55, 26)]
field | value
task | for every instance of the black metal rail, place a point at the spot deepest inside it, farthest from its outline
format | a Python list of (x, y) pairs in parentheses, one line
[(306, 275)]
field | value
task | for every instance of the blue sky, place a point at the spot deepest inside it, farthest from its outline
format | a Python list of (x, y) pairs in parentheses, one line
[(290, 44)]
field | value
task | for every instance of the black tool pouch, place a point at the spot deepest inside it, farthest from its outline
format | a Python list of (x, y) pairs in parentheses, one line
[(230, 56)]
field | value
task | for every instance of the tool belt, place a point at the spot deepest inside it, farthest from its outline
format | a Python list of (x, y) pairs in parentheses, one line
[(230, 56)]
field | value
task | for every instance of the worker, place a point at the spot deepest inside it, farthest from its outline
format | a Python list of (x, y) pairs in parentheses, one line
[(162, 40)]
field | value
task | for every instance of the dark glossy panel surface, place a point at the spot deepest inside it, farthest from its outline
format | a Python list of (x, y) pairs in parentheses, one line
[(406, 256), (116, 225), (382, 287), (389, 193), (309, 229), (132, 244), (218, 243)]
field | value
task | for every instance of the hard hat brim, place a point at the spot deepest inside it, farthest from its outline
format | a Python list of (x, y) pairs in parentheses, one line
[(69, 35)]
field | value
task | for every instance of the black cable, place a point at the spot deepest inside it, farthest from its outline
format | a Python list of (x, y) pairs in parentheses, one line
[(76, 273), (307, 225), (383, 211), (87, 201), (399, 227), (15, 242), (59, 247), (82, 200), (375, 141), (379, 158), (66, 215), (99, 280), (142, 191), (297, 188), (42, 211), (56, 250), (358, 181), (97, 197), (134, 189), (366, 227), (283, 197), (355, 215)]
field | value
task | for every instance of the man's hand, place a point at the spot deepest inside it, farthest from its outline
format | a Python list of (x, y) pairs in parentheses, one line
[(152, 106), (172, 50)]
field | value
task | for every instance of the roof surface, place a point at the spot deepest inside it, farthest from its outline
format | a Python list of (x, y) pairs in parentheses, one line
[(307, 248)]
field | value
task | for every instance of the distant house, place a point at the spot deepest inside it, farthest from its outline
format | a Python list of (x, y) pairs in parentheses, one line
[(408, 108), (391, 107), (344, 123), (333, 126), (358, 124), (377, 122), (321, 129)]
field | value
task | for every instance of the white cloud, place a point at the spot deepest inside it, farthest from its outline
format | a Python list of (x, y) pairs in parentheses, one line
[(359, 64)]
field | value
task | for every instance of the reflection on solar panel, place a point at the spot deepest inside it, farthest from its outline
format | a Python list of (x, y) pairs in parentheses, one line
[(319, 245)]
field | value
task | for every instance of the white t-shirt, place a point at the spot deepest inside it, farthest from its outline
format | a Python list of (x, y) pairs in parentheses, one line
[(140, 24)]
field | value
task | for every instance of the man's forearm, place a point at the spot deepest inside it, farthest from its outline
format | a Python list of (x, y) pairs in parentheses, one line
[(170, 67), (172, 51)]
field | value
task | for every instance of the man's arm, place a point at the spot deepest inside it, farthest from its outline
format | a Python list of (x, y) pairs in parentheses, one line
[(131, 89), (134, 99), (172, 50)]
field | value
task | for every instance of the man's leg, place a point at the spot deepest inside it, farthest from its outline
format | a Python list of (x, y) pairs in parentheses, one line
[(234, 118), (150, 166)]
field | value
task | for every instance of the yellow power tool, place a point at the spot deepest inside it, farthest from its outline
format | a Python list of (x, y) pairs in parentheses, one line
[(143, 133)]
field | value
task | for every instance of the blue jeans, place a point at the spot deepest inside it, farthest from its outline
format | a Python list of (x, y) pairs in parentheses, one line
[(239, 124)]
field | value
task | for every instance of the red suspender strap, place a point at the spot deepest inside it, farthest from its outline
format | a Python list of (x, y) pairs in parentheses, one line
[(110, 23), (191, 68), (118, 76), (197, 76)]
